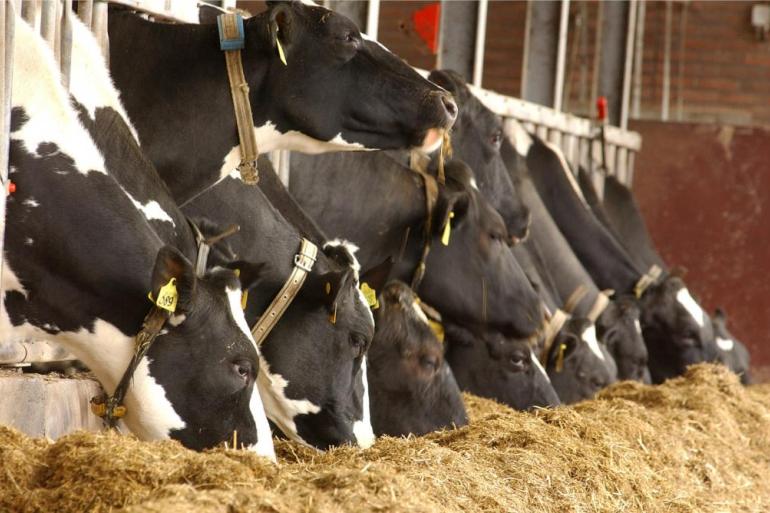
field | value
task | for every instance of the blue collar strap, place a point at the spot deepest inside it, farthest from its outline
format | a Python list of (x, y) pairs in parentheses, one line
[(231, 35)]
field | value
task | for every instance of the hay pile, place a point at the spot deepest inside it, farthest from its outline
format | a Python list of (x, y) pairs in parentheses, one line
[(699, 443)]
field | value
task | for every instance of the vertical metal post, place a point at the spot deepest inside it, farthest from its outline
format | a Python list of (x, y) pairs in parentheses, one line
[(7, 26), (48, 21), (66, 43), (613, 56), (85, 11), (481, 38), (561, 55), (457, 36), (99, 28), (372, 19), (638, 59), (628, 65), (30, 11), (540, 52), (666, 63)]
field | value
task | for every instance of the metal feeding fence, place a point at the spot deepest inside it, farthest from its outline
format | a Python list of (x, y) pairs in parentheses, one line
[(575, 135)]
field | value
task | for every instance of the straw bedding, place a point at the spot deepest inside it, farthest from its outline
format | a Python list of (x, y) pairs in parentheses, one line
[(698, 443)]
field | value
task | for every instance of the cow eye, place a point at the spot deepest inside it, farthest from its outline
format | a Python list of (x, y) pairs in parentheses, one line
[(244, 369), (429, 363), (598, 383), (497, 139), (518, 362)]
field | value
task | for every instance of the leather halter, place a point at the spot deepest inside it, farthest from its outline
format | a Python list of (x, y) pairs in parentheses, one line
[(647, 279), (303, 264), (231, 42), (418, 165)]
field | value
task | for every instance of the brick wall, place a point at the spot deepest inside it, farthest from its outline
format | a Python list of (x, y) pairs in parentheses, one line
[(720, 73)]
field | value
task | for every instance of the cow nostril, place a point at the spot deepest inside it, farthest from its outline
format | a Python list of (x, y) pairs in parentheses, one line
[(450, 106)]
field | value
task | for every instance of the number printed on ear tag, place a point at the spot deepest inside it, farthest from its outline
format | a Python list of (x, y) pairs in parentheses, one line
[(168, 296)]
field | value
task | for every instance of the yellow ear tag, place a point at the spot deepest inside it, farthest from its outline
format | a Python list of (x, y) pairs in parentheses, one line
[(371, 296), (280, 51), (560, 358), (438, 329), (328, 288), (168, 296), (447, 230), (244, 299)]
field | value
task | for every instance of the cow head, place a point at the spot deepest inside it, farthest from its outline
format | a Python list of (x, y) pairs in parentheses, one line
[(731, 351), (338, 89), (619, 330), (577, 364), (313, 375), (205, 362), (412, 390), (487, 284), (676, 330), (476, 139), (488, 364)]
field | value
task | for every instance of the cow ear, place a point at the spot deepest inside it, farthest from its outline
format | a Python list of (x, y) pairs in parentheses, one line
[(565, 345), (328, 287), (377, 276), (281, 26), (171, 267), (720, 315), (452, 82)]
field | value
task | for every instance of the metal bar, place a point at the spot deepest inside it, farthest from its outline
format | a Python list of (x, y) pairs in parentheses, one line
[(48, 21), (539, 74), (638, 60), (680, 64), (628, 65), (481, 38), (85, 11), (99, 28), (457, 35), (598, 43), (33, 351), (373, 19), (66, 43), (30, 11), (666, 63), (561, 56), (613, 57)]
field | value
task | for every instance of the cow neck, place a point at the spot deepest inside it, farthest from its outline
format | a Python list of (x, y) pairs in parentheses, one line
[(187, 93)]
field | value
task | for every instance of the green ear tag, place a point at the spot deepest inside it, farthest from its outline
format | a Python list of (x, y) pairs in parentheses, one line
[(168, 296), (447, 230), (280, 51), (370, 295)]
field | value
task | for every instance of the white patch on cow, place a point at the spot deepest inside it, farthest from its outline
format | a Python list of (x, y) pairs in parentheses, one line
[(589, 337), (638, 326), (518, 136), (264, 446), (151, 210), (30, 202), (567, 172), (90, 80), (538, 365), (474, 184), (362, 429), (693, 308), (279, 408), (725, 344), (37, 89), (10, 282), (351, 249), (419, 313), (29, 241)]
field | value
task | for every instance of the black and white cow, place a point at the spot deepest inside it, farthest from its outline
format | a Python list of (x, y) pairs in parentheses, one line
[(83, 248), (313, 372), (337, 91), (676, 331), (577, 364), (619, 329), (731, 351), (504, 369), (383, 212), (476, 138), (412, 388)]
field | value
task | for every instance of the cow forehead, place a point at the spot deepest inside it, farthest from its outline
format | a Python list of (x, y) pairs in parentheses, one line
[(684, 298), (589, 337)]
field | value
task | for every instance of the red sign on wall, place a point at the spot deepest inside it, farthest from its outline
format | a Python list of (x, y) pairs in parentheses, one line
[(426, 24)]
